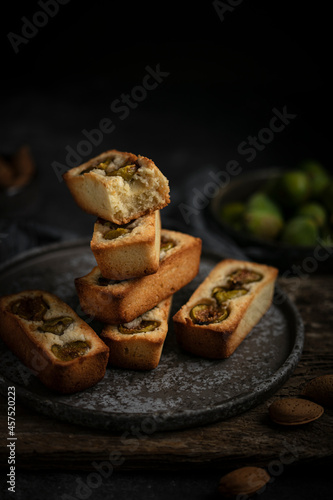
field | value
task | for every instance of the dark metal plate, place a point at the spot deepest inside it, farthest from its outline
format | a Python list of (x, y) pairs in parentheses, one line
[(183, 391)]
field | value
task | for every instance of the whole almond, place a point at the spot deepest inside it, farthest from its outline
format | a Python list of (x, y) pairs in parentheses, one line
[(320, 390), (243, 481), (6, 174), (24, 166), (294, 411)]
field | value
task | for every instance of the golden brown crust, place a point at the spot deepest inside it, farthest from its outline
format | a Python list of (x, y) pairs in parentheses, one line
[(122, 302), (130, 256), (139, 351), (220, 340), (33, 348), (119, 201)]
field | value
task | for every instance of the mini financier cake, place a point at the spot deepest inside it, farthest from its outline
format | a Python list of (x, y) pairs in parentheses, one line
[(118, 187), (116, 302), (138, 345), (52, 340), (225, 308), (128, 251)]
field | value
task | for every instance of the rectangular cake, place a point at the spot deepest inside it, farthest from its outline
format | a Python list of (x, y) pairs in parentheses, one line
[(138, 345), (118, 187), (128, 251), (52, 340), (224, 308), (115, 301)]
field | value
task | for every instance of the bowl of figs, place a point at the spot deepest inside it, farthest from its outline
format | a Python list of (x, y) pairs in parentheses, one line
[(281, 216)]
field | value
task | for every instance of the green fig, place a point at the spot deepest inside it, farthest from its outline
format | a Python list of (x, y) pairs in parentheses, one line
[(293, 188), (318, 176), (263, 224), (315, 211), (300, 230), (261, 201)]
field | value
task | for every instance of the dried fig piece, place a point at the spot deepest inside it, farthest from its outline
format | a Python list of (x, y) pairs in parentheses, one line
[(115, 233), (126, 172), (206, 314), (101, 166), (166, 245), (144, 326), (104, 164), (30, 308), (222, 294), (71, 350), (57, 326), (243, 277)]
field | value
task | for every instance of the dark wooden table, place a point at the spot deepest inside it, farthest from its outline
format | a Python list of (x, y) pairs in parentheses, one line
[(248, 439)]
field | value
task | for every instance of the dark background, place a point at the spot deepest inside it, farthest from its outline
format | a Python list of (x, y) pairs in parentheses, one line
[(225, 79)]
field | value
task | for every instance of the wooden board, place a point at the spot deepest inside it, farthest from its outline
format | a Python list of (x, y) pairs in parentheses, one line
[(250, 438)]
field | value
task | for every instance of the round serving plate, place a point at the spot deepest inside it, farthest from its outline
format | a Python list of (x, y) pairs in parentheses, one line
[(183, 391)]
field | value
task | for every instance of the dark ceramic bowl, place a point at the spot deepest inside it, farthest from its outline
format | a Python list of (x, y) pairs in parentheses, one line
[(272, 252)]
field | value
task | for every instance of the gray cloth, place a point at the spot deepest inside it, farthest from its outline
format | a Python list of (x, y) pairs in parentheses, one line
[(17, 237)]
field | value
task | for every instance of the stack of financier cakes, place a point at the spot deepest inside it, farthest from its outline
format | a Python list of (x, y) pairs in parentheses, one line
[(140, 265)]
